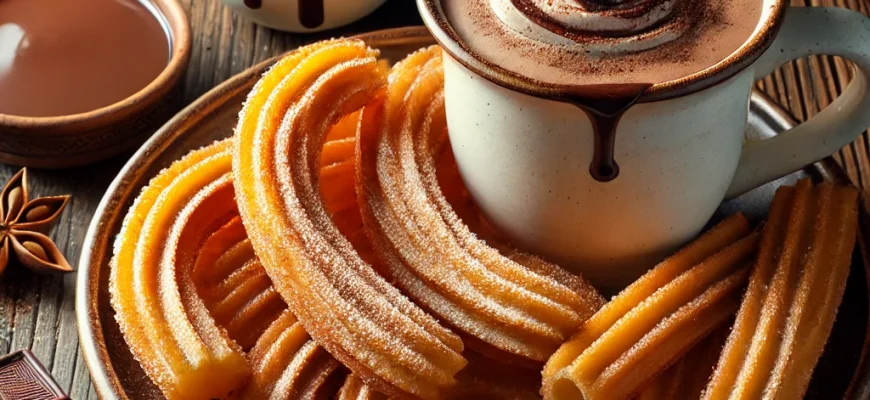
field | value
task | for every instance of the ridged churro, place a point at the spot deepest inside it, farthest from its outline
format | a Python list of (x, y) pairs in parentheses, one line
[(657, 319), (349, 309), (230, 278), (504, 307), (288, 365), (688, 377), (796, 287), (355, 389), (234, 286), (164, 321)]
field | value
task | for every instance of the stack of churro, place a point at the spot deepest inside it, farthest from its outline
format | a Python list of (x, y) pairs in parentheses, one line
[(330, 250), (362, 320), (228, 295)]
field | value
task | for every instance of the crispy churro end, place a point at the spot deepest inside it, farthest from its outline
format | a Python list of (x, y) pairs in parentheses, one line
[(562, 388)]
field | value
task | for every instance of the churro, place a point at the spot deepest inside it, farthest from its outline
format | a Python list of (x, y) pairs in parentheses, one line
[(234, 286), (688, 377), (657, 319), (229, 276), (165, 323), (349, 309), (355, 389), (288, 365), (503, 307), (796, 287), (207, 277)]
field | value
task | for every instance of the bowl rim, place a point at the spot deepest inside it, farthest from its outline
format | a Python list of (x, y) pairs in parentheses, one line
[(173, 20)]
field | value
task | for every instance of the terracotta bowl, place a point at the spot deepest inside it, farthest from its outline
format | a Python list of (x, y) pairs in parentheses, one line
[(71, 140)]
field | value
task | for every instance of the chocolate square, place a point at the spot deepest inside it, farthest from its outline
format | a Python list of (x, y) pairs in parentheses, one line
[(22, 377)]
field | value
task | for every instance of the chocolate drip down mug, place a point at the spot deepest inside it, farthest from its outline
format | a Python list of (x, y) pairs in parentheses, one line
[(528, 153)]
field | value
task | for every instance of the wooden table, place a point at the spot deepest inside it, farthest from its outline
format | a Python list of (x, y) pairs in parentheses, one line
[(37, 312)]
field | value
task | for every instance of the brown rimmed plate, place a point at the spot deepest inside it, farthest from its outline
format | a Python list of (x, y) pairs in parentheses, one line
[(842, 372)]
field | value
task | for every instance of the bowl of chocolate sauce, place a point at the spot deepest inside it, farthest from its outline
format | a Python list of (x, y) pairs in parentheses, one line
[(84, 80)]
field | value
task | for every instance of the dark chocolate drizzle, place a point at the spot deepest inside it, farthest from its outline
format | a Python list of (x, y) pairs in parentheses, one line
[(311, 13), (605, 105), (254, 4)]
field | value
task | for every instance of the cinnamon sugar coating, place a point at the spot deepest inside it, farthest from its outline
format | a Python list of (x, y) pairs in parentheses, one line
[(789, 308), (164, 321), (658, 318), (362, 320), (519, 306)]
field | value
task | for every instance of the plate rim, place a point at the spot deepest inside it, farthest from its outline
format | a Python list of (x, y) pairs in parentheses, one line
[(96, 243)]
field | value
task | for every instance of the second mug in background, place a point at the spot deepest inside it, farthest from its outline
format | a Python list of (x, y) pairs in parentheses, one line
[(304, 15)]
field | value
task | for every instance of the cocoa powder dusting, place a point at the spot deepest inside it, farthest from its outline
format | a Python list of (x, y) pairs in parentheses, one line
[(712, 31)]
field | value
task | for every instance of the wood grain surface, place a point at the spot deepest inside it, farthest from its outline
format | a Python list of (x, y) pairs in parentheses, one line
[(37, 312)]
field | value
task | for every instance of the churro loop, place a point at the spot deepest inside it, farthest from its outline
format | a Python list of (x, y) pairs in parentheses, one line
[(355, 389), (656, 320), (362, 320), (519, 308), (228, 275), (288, 365), (789, 308), (165, 323), (233, 284)]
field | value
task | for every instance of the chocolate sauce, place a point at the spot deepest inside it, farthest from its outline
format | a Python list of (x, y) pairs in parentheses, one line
[(254, 4), (62, 57), (605, 105), (311, 13)]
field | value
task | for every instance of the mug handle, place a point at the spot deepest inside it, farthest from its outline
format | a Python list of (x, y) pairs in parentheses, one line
[(807, 31)]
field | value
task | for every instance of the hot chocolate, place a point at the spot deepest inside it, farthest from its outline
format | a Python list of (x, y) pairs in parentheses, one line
[(605, 53), (594, 42)]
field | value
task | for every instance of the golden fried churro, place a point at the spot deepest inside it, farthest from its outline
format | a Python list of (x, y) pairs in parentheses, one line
[(355, 389), (165, 323), (362, 320), (654, 321), (796, 287), (504, 308), (688, 377), (229, 277), (234, 286), (288, 365)]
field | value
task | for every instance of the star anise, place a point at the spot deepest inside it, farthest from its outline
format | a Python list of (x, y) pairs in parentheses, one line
[(23, 224)]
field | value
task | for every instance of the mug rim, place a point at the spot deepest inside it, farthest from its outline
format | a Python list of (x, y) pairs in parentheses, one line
[(173, 20), (743, 57)]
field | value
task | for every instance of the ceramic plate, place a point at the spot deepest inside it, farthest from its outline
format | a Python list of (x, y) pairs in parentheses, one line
[(841, 371)]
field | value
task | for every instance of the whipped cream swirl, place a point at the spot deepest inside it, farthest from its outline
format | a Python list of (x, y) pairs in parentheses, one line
[(597, 26)]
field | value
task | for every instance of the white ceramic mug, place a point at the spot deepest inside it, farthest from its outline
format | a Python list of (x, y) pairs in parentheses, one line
[(304, 15), (526, 158)]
